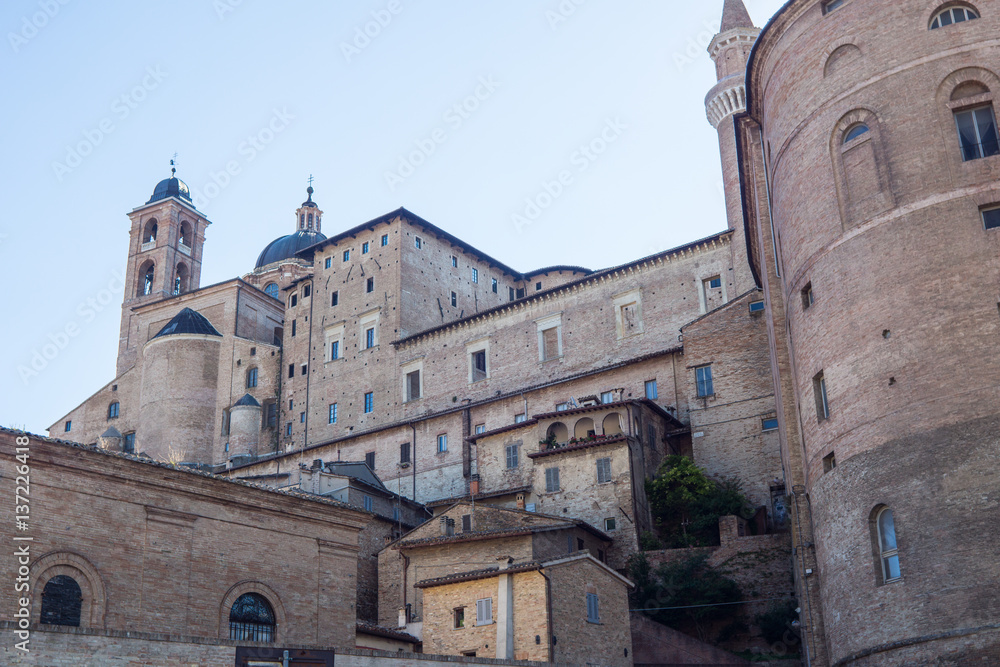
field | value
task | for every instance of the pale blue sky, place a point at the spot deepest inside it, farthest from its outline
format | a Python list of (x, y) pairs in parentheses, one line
[(127, 84)]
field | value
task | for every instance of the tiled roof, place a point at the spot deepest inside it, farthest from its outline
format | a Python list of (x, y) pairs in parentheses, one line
[(596, 442), (468, 537), (388, 633), (479, 496), (477, 574)]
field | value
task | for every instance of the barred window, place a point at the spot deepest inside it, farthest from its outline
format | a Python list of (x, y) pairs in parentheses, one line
[(252, 619)]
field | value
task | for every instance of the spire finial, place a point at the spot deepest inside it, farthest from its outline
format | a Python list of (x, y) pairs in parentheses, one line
[(310, 190), (173, 165)]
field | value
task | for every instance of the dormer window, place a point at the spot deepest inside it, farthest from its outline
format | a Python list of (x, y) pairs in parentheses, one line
[(946, 17)]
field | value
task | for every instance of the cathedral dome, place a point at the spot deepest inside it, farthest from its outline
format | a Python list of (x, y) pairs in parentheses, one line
[(285, 247), (170, 187)]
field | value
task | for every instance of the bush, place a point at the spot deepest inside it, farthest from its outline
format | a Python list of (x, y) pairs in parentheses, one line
[(648, 541), (777, 621)]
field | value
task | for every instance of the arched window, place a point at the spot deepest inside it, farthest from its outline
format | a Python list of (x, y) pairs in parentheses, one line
[(302, 220), (113, 410), (181, 279), (584, 428), (62, 601), (149, 232), (251, 378), (557, 432), (271, 289), (252, 619), (612, 424), (885, 545), (855, 132), (146, 273), (185, 238), (946, 17)]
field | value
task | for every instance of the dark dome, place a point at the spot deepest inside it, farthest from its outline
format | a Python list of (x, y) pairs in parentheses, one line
[(286, 246), (188, 322), (170, 187), (248, 401)]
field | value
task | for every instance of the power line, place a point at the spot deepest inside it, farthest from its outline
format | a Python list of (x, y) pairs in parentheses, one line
[(717, 604)]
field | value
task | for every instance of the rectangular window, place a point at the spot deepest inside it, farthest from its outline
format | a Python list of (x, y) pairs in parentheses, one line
[(562, 407), (291, 403), (369, 337), (603, 470), (519, 293), (551, 480), (305, 369), (417, 243), (510, 291), (770, 424), (459, 615), (512, 459), (480, 428), (329, 261), (334, 299), (333, 413), (302, 418), (288, 429), (294, 301), (550, 343), (475, 275), (520, 418), (306, 291), (991, 218), (822, 403), (454, 261), (607, 397), (807, 296), (251, 381), (291, 371), (369, 402), (442, 443), (830, 5), (370, 460), (703, 375), (368, 503), (385, 240), (609, 524), (756, 306), (413, 385), (370, 286), (128, 444), (454, 299), (484, 611), (404, 453), (593, 613), (977, 132), (479, 366), (466, 523), (364, 248), (272, 414), (335, 350), (395, 514), (495, 285), (294, 327), (829, 462), (538, 287), (651, 390), (715, 283), (347, 255)]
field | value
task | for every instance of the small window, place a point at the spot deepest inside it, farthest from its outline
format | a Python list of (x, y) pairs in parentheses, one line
[(831, 5), (855, 132), (251, 378), (404, 453), (328, 263), (829, 462), (703, 376), (335, 350), (368, 503), (538, 287), (294, 327), (603, 470), (288, 429), (370, 286), (885, 529), (417, 243), (369, 338), (475, 275), (62, 601), (113, 410), (714, 283), (333, 413), (770, 424), (808, 298), (305, 369), (385, 240), (977, 132), (294, 300), (302, 417), (334, 299), (252, 619), (413, 385), (484, 611), (953, 15), (512, 456), (395, 514), (562, 407), (454, 261), (466, 523), (480, 428), (520, 293), (459, 617), (128, 442), (651, 393), (369, 402), (347, 255), (510, 293), (593, 612), (822, 402), (495, 285), (306, 291), (607, 397), (271, 289), (370, 460), (756, 306), (442, 443), (291, 371), (364, 248), (518, 419), (991, 218), (479, 366), (454, 300), (609, 524), (551, 480), (291, 403)]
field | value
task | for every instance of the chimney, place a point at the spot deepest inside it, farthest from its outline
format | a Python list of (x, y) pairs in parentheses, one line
[(520, 501), (402, 618), (317, 464), (474, 486)]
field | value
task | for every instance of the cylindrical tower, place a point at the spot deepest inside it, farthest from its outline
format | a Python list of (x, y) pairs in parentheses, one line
[(244, 427), (180, 371), (871, 165)]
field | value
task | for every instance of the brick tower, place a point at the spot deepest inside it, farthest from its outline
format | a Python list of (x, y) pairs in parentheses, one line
[(164, 257)]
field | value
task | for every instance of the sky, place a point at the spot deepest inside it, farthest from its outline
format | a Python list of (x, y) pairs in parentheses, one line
[(466, 113)]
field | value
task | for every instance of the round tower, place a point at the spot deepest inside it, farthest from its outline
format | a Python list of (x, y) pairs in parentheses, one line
[(244, 427), (872, 167), (180, 371)]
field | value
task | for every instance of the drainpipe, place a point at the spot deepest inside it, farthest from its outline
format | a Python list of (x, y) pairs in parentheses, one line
[(413, 460), (548, 615), (798, 491)]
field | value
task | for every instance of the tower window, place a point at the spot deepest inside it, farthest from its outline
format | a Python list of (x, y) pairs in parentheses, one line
[(807, 296), (146, 288), (475, 275), (829, 462), (293, 301), (822, 402), (369, 338), (251, 378), (334, 299), (306, 291), (251, 619), (454, 261), (454, 299), (113, 410), (68, 426), (369, 402), (952, 15), (413, 385), (370, 286), (385, 240), (831, 5), (977, 132), (347, 255), (885, 547), (494, 285), (328, 262), (991, 218), (364, 248), (149, 233), (185, 235), (62, 602), (417, 243), (335, 350), (291, 371)]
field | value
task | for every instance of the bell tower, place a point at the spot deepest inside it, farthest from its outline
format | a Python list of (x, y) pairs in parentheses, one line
[(730, 50), (309, 217), (164, 257)]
